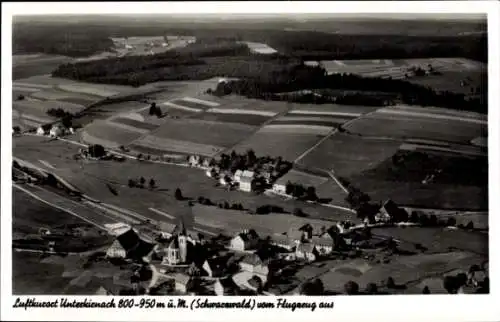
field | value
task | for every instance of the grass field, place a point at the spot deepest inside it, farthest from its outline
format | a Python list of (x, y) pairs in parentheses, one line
[(405, 269), (153, 143), (247, 119), (287, 144), (35, 107), (204, 132), (29, 215), (303, 178), (413, 123), (91, 177), (108, 134), (32, 65), (348, 154)]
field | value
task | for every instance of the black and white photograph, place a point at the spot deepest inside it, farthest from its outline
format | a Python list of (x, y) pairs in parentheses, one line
[(239, 154)]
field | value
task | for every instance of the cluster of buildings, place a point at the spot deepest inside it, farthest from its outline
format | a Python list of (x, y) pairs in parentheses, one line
[(246, 262), (56, 130)]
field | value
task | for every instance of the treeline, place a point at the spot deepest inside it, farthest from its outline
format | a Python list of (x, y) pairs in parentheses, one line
[(316, 78), (50, 39)]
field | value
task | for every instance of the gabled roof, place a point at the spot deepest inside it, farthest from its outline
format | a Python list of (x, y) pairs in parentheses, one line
[(248, 174), (238, 173), (391, 207), (128, 239)]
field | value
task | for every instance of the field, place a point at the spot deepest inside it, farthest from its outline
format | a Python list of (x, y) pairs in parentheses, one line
[(38, 64), (260, 48), (132, 46), (91, 178), (348, 154), (217, 135), (303, 178), (420, 123), (288, 143), (108, 134), (398, 68), (29, 215), (406, 270)]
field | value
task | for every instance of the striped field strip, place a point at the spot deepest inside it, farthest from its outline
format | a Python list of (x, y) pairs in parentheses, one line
[(127, 127), (31, 85), (203, 102), (430, 115), (238, 111), (180, 107), (324, 113), (162, 213)]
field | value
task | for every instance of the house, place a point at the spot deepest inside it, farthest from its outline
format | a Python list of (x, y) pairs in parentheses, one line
[(130, 245), (56, 131), (279, 187), (256, 264), (283, 241), (226, 287), (388, 211), (307, 251), (307, 232), (247, 239), (40, 131), (246, 180), (325, 243), (183, 283), (237, 175), (194, 160)]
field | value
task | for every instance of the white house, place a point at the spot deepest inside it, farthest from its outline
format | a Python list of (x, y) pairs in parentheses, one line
[(237, 175), (246, 180), (194, 160), (245, 240), (279, 188), (307, 251), (40, 131), (56, 131), (116, 250)]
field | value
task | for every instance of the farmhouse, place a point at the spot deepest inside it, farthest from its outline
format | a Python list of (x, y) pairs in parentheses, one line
[(40, 131), (247, 239), (246, 180), (279, 187), (256, 264), (130, 245), (225, 286), (307, 251), (56, 131), (324, 243), (306, 232), (237, 175)]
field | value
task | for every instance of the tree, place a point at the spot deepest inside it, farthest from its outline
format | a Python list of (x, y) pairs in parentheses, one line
[(474, 268), (152, 184), (414, 218), (298, 212), (351, 288), (470, 225), (97, 151), (371, 288), (433, 221), (158, 112), (390, 282), (461, 279), (311, 193), (178, 194), (450, 284), (424, 220), (20, 97), (451, 222), (67, 121), (289, 188), (142, 181), (226, 205), (152, 109), (426, 290)]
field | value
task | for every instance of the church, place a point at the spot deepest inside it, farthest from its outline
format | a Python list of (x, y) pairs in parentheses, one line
[(176, 252)]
